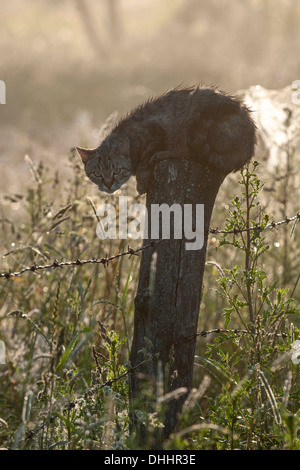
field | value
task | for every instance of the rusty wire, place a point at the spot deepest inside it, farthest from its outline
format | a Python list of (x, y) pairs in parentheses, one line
[(130, 252)]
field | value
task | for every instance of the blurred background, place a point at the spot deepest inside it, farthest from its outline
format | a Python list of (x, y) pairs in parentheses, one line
[(69, 64)]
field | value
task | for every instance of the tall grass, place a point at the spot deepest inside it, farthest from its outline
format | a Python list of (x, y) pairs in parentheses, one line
[(67, 331)]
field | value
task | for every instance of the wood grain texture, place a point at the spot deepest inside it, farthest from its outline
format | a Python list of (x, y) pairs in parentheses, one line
[(167, 312)]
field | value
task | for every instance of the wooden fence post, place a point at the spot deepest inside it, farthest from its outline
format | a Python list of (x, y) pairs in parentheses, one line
[(168, 296)]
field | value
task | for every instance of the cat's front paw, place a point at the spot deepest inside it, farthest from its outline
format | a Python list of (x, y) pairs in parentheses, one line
[(159, 156), (141, 186), (143, 176)]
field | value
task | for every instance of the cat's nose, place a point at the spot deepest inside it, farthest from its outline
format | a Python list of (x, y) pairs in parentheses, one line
[(108, 183)]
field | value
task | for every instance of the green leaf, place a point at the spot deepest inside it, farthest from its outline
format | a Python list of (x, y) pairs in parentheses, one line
[(227, 317), (69, 350), (59, 444)]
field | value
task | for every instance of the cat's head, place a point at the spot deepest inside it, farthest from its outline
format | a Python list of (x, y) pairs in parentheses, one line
[(108, 168)]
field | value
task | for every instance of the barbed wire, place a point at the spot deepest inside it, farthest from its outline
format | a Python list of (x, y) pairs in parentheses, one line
[(92, 390), (236, 331), (60, 264), (88, 394), (272, 224), (130, 252)]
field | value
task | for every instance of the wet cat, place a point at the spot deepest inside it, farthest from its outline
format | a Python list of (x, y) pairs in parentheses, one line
[(200, 124)]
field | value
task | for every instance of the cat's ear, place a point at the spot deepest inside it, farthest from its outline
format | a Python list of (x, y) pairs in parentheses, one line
[(85, 154), (123, 148)]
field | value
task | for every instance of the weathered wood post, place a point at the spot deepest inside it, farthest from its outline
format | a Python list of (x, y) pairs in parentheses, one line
[(167, 313), (220, 138)]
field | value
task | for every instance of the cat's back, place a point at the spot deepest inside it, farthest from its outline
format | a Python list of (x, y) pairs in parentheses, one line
[(169, 104), (181, 104), (176, 113)]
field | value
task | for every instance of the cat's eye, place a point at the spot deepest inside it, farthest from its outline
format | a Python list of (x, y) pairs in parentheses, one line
[(96, 174), (117, 171)]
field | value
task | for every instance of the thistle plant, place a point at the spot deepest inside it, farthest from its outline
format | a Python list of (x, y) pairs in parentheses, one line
[(252, 358)]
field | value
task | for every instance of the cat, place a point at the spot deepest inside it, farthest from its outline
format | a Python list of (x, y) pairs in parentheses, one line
[(196, 123)]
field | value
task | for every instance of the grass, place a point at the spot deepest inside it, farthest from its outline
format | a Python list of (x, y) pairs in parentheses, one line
[(67, 332)]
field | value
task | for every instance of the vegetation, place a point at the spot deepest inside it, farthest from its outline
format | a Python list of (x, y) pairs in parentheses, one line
[(67, 333)]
